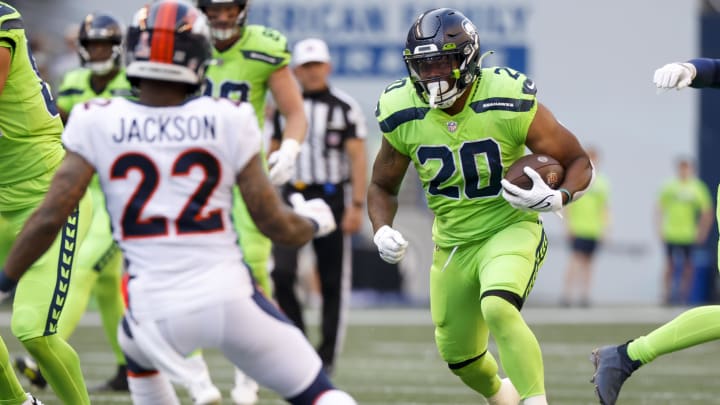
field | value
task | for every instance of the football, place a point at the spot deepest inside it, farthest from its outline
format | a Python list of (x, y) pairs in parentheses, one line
[(549, 169)]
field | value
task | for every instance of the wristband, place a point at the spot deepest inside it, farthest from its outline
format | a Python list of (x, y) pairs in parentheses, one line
[(567, 193), (6, 283)]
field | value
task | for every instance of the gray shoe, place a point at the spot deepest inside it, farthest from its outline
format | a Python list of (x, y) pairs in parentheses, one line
[(612, 368)]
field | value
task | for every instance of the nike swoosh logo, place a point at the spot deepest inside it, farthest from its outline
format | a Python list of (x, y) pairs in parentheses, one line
[(544, 203)]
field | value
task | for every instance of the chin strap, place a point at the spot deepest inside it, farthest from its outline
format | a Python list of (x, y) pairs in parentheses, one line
[(432, 96), (483, 56)]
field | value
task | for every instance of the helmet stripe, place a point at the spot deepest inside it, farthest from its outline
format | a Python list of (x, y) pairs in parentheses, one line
[(163, 37)]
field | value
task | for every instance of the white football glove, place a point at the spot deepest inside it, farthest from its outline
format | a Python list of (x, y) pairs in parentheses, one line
[(539, 198), (315, 210), (675, 75), (282, 162), (390, 243)]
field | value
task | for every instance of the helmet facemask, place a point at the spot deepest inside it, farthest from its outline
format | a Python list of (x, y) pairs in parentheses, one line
[(442, 56), (100, 28), (437, 74), (102, 67), (225, 33)]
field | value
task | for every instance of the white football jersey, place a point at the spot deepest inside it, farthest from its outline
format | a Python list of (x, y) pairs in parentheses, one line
[(167, 174)]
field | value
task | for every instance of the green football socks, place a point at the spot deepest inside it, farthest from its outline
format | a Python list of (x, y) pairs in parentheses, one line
[(518, 348), (692, 327), (60, 366), (11, 392)]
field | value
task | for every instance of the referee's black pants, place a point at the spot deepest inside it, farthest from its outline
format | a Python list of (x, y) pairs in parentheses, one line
[(329, 254)]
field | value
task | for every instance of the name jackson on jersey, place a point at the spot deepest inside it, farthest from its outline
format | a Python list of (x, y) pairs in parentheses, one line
[(162, 129)]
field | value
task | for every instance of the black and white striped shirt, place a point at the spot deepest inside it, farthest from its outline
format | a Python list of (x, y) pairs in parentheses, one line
[(333, 117)]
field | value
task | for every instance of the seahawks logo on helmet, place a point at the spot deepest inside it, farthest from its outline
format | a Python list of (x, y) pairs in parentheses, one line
[(442, 56)]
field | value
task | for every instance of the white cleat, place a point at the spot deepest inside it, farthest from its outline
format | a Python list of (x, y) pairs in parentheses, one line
[(205, 393), (245, 391), (31, 400)]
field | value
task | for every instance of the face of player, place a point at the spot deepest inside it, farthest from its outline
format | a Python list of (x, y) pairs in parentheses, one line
[(312, 76), (435, 67), (685, 170), (439, 71), (223, 20), (99, 51)]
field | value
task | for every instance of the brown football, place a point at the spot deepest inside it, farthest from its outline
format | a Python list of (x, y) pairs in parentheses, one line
[(549, 169)]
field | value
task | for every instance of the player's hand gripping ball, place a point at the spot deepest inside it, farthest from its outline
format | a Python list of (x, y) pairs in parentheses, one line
[(531, 184), (549, 169)]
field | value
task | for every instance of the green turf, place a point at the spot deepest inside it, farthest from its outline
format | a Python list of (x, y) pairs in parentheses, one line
[(399, 365)]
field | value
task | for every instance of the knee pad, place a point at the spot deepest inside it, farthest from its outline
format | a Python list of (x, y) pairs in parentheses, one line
[(27, 324)]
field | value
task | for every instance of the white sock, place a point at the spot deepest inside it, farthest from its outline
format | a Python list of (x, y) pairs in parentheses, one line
[(334, 397), (31, 400), (536, 400), (154, 389), (506, 395), (201, 390), (244, 381)]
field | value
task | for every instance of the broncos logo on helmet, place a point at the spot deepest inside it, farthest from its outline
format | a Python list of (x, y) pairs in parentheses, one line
[(168, 40), (442, 55)]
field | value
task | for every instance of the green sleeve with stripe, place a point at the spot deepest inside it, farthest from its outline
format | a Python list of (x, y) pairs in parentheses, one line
[(30, 146)]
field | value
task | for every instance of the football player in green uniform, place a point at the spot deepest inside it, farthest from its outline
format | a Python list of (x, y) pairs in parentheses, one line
[(98, 265), (614, 364), (30, 153), (462, 127), (249, 60)]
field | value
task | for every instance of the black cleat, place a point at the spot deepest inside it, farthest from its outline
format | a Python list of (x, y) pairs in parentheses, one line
[(612, 368), (27, 367), (117, 383)]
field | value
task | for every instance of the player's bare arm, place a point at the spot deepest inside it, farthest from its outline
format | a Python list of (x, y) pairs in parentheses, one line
[(388, 172), (289, 102), (548, 136), (5, 59), (66, 190), (274, 219), (352, 218), (63, 115)]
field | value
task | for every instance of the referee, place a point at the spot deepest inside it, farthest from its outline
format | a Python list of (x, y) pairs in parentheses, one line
[(331, 165)]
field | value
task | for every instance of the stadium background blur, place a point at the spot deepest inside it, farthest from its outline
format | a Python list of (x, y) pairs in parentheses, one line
[(593, 64)]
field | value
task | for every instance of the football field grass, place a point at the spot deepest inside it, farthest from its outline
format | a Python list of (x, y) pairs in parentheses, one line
[(390, 359)]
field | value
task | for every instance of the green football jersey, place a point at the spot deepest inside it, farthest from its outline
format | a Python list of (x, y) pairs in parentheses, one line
[(681, 203), (75, 88), (461, 159), (241, 72), (30, 126), (587, 217)]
